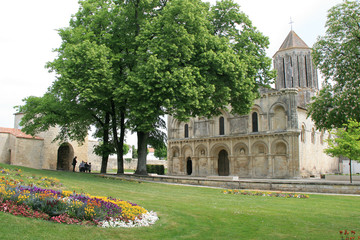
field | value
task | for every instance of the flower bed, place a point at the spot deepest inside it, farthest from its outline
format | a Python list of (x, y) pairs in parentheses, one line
[(69, 207), (17, 176), (267, 194)]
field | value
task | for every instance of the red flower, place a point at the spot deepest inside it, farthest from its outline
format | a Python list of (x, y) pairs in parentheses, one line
[(352, 232)]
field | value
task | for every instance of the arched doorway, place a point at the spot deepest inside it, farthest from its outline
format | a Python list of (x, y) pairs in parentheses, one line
[(223, 163), (189, 166), (64, 157)]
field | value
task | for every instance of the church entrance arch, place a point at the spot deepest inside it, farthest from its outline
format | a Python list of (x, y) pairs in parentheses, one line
[(64, 157), (189, 166), (223, 163)]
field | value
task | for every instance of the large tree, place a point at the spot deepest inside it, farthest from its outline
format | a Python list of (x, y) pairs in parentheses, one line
[(97, 53), (178, 57), (346, 143), (337, 55), (77, 99), (195, 61), (86, 79)]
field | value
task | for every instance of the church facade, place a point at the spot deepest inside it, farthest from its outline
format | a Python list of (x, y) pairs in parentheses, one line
[(275, 140)]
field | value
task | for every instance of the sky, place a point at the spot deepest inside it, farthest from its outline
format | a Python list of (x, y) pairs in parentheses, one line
[(28, 35)]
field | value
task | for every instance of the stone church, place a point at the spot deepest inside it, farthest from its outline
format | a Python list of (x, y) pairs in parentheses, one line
[(275, 140)]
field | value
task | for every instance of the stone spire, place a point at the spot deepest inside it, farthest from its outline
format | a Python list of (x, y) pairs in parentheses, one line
[(293, 41), (294, 65)]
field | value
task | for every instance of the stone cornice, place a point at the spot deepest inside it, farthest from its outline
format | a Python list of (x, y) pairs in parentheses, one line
[(236, 137)]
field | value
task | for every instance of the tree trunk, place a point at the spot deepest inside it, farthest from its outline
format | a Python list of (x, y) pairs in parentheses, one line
[(142, 152), (105, 154), (118, 144), (350, 171), (121, 144)]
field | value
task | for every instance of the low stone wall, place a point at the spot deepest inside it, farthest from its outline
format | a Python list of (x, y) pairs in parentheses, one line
[(315, 186), (342, 178)]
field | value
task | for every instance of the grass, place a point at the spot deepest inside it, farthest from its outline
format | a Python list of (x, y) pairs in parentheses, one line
[(196, 213), (114, 171)]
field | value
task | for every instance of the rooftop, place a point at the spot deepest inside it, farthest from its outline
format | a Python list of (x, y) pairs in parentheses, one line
[(293, 41), (17, 133)]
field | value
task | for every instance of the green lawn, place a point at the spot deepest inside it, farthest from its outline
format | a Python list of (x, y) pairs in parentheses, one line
[(196, 213)]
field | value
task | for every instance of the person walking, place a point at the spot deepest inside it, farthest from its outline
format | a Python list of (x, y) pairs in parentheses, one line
[(74, 163)]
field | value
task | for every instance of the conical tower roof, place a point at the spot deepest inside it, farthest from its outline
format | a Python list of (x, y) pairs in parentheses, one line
[(292, 41)]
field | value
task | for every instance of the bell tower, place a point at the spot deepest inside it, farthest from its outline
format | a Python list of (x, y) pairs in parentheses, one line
[(294, 65)]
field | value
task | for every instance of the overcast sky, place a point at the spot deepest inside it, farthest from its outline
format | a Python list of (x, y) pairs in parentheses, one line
[(28, 35)]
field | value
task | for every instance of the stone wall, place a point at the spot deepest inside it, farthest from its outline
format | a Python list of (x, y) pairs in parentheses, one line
[(112, 162), (20, 151), (5, 150), (50, 149), (313, 160), (27, 153)]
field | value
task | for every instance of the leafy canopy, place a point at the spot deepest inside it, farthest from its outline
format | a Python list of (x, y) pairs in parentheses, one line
[(337, 56), (347, 141), (194, 60)]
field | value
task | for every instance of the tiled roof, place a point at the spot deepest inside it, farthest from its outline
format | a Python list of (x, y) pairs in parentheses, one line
[(17, 133), (293, 41)]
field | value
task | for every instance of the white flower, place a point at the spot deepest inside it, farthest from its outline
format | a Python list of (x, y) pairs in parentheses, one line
[(145, 220)]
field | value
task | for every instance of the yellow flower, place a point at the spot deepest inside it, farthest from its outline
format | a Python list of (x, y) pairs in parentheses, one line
[(66, 193)]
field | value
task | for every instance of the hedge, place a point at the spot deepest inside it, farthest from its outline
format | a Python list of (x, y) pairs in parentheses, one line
[(159, 169)]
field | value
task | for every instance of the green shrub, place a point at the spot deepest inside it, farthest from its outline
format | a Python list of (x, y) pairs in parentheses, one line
[(159, 169)]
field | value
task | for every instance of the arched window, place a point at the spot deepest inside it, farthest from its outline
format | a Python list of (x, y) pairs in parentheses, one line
[(302, 136), (255, 122), (322, 137), (221, 126), (313, 135), (186, 131)]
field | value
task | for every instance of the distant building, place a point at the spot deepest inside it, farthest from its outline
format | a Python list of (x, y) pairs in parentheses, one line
[(276, 140), (151, 154), (18, 148)]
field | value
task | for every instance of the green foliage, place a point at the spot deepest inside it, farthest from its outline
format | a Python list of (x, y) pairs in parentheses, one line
[(186, 68), (158, 169), (347, 141), (134, 152), (126, 149), (161, 152), (140, 60), (109, 149), (337, 56), (103, 149)]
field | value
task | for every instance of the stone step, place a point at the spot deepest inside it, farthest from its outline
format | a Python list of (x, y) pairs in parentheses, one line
[(234, 178)]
